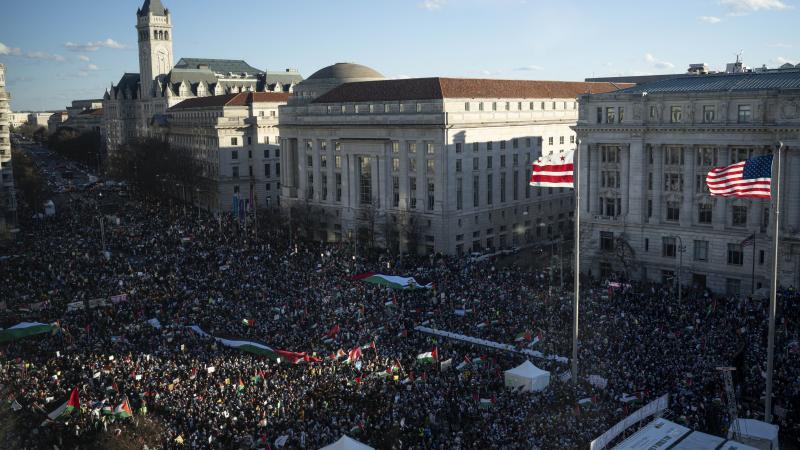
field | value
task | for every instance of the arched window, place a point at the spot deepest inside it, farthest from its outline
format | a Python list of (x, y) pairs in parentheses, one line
[(166, 35)]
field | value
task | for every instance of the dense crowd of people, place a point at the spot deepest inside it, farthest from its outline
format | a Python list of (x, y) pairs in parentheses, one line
[(218, 276)]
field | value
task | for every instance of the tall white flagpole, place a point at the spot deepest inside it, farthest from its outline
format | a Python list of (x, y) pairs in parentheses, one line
[(773, 297), (576, 181)]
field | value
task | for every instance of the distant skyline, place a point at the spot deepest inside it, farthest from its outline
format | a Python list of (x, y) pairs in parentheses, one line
[(56, 52)]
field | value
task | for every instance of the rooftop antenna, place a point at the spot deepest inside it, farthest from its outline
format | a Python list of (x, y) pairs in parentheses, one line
[(739, 56)]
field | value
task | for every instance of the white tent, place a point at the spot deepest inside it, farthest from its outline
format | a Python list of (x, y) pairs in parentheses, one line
[(755, 433), (699, 441), (347, 443), (527, 376)]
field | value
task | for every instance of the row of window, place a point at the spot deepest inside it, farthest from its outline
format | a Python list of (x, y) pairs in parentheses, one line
[(521, 106), (468, 106), (235, 153), (612, 207), (611, 114), (670, 249), (674, 155)]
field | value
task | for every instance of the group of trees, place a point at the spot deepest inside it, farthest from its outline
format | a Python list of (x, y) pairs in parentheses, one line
[(375, 230), (34, 132), (84, 147), (154, 168), (28, 181)]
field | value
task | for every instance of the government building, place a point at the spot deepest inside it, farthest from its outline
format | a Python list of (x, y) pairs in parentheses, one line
[(428, 164), (644, 154), (177, 104)]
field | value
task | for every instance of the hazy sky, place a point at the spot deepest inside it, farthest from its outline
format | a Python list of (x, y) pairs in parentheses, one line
[(57, 51)]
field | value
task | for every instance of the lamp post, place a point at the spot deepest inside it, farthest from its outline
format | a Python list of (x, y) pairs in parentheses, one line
[(183, 197), (679, 264)]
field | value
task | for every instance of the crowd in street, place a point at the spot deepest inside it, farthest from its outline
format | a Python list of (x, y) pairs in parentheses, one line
[(215, 274)]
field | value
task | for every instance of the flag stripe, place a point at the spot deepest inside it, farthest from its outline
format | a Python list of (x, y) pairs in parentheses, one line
[(750, 178), (553, 170)]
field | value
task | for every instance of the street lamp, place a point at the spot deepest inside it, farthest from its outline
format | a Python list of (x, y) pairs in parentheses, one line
[(183, 196), (680, 249)]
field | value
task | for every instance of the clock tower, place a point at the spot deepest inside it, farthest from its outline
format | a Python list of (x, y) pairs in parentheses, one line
[(154, 26)]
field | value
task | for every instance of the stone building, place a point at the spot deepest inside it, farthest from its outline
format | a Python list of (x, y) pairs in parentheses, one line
[(427, 164), (56, 119), (645, 152), (8, 202), (235, 138), (131, 106)]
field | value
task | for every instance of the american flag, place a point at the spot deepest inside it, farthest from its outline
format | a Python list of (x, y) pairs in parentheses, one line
[(749, 240), (553, 170), (750, 178)]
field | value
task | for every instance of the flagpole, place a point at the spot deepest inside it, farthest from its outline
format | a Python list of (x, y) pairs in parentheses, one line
[(753, 270), (773, 300), (577, 183)]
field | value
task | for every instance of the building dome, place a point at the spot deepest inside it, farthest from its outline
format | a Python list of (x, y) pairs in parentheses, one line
[(328, 78), (345, 72)]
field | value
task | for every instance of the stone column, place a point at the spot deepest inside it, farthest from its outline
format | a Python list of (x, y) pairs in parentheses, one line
[(720, 215), (792, 189), (594, 179), (375, 176), (584, 177), (330, 171), (317, 170), (405, 189), (688, 204), (302, 165), (658, 182), (636, 183), (624, 161), (422, 176)]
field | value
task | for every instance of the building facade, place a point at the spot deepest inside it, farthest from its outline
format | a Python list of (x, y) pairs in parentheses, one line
[(131, 106), (645, 152), (234, 138), (56, 119), (8, 202), (39, 119), (425, 165), (18, 119)]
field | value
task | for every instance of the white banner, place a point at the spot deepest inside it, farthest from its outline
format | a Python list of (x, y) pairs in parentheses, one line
[(490, 344), (654, 407)]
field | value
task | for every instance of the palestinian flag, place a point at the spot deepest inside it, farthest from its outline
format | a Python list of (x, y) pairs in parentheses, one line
[(333, 332), (340, 354), (428, 357), (240, 386), (250, 347), (524, 336), (354, 355), (123, 410), (248, 322), (106, 410), (485, 403), (72, 406), (292, 357), (258, 377), (392, 281), (25, 329)]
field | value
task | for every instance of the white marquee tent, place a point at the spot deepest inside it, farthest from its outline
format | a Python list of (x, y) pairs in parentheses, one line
[(756, 433), (527, 376), (347, 443)]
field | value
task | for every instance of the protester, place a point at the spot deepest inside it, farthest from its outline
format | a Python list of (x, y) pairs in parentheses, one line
[(288, 294)]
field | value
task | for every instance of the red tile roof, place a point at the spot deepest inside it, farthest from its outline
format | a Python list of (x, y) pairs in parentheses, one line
[(240, 99), (439, 88)]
